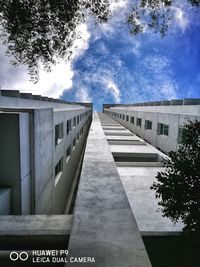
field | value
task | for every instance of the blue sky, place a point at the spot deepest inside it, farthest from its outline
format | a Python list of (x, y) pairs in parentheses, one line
[(119, 68), (110, 66)]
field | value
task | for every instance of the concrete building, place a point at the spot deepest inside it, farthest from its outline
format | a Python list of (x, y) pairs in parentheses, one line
[(138, 162), (160, 123), (85, 186), (41, 145), (104, 225)]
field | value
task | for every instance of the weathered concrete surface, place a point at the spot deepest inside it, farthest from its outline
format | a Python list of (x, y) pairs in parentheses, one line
[(137, 182), (137, 177), (12, 225), (104, 226), (5, 199), (173, 116)]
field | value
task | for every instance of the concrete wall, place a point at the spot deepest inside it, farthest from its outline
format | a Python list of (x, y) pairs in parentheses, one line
[(25, 164), (29, 155), (51, 192), (63, 185), (43, 161), (138, 166), (5, 201), (162, 114), (104, 226), (15, 160), (10, 158), (16, 102)]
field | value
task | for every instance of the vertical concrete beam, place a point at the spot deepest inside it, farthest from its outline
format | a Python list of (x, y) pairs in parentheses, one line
[(104, 226)]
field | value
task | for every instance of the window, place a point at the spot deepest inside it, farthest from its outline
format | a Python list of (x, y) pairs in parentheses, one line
[(58, 133), (127, 118), (132, 120), (139, 122), (148, 125), (74, 142), (123, 117), (69, 126), (163, 129), (59, 168), (120, 116), (77, 120), (74, 122), (68, 153), (181, 131), (77, 137)]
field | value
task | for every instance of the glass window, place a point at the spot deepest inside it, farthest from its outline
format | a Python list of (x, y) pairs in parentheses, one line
[(139, 122), (58, 133), (69, 126), (163, 129), (74, 143), (132, 120), (181, 131), (74, 122), (59, 167), (148, 125)]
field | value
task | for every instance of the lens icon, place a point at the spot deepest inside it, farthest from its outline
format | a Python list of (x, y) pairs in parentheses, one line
[(14, 256), (23, 256)]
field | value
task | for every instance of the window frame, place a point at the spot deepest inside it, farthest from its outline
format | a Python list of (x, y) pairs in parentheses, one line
[(59, 133)]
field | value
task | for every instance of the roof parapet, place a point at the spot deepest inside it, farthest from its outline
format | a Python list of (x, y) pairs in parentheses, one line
[(18, 94), (10, 93), (191, 101), (26, 95), (173, 102), (176, 102)]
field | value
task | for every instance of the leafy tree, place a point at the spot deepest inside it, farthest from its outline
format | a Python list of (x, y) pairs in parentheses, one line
[(43, 31), (156, 15), (179, 185)]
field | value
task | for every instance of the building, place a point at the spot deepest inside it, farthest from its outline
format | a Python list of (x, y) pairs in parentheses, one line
[(82, 182), (160, 123), (41, 146)]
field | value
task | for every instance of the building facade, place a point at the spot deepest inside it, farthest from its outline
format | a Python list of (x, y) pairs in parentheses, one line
[(41, 143), (159, 123)]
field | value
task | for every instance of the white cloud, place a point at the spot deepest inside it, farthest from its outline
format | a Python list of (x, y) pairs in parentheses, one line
[(118, 4), (168, 89), (82, 95), (136, 47), (157, 63), (112, 88), (119, 10), (50, 84), (82, 42), (181, 18)]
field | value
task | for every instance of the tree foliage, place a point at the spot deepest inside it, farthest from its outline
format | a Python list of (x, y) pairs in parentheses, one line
[(43, 31), (156, 15), (178, 186)]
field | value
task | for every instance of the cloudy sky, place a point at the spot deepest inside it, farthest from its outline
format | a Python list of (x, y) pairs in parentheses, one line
[(110, 66)]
